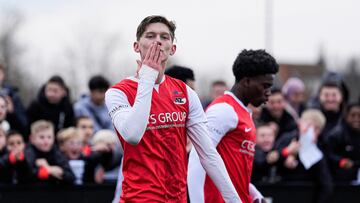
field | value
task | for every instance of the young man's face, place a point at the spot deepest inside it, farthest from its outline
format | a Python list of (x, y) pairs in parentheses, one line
[(86, 127), (276, 105), (353, 118), (97, 96), (43, 140), (156, 32), (54, 92), (259, 89), (330, 98), (15, 143), (72, 147)]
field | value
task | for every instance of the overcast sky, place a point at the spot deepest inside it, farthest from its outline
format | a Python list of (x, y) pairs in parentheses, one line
[(209, 33)]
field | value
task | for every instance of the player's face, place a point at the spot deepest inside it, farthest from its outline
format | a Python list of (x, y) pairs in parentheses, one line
[(156, 32), (260, 89)]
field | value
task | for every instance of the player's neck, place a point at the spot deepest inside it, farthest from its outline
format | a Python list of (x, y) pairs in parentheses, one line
[(159, 78), (237, 91)]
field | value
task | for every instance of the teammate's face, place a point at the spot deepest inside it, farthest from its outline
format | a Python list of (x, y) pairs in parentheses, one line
[(260, 89), (156, 32)]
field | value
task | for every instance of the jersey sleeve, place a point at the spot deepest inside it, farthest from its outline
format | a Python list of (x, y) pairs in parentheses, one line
[(131, 121), (196, 112), (212, 163), (221, 118)]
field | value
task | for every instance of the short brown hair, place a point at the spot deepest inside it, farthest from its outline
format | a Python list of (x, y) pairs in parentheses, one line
[(41, 125), (155, 19)]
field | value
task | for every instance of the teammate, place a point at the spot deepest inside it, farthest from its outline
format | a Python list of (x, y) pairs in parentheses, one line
[(152, 114), (232, 129)]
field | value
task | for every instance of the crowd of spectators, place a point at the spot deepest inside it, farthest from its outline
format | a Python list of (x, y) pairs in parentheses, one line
[(57, 141)]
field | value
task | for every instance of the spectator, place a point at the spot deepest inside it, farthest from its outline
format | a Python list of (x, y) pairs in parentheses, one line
[(266, 157), (16, 115), (71, 142), (86, 127), (182, 73), (274, 111), (344, 146), (48, 165), (4, 124), (292, 169), (218, 88), (13, 166), (52, 104), (107, 140), (93, 105), (294, 94), (2, 142)]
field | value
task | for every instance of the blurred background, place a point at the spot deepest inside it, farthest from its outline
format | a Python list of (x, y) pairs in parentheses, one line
[(79, 38)]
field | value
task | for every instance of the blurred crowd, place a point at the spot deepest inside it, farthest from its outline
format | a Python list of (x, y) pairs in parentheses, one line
[(55, 141)]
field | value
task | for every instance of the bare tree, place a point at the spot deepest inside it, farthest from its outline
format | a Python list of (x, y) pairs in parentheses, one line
[(90, 54), (11, 52)]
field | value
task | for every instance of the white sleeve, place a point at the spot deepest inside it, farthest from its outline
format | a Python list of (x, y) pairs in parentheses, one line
[(131, 121), (196, 112), (221, 118), (212, 162), (254, 193)]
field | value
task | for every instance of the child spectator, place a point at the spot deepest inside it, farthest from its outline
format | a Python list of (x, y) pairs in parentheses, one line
[(86, 127), (266, 157), (13, 166), (71, 142), (312, 121), (107, 140), (344, 146), (48, 164)]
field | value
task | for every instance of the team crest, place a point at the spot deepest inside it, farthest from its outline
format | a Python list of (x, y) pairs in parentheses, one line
[(178, 97)]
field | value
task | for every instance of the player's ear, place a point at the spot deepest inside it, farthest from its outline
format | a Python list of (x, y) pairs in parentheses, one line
[(136, 47), (173, 49)]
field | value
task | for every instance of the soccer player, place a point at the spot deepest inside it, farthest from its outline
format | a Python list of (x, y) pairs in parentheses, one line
[(152, 114), (232, 129)]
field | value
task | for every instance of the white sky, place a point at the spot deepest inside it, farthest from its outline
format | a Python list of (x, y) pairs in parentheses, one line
[(209, 33)]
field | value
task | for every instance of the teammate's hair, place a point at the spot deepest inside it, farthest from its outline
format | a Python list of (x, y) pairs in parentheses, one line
[(155, 19), (98, 82), (250, 63), (180, 72)]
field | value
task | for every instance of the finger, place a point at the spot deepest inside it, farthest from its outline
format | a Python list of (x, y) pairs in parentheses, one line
[(157, 54), (161, 54), (152, 52), (148, 53)]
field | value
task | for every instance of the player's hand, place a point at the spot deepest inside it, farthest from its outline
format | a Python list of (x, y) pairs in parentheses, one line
[(153, 57)]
